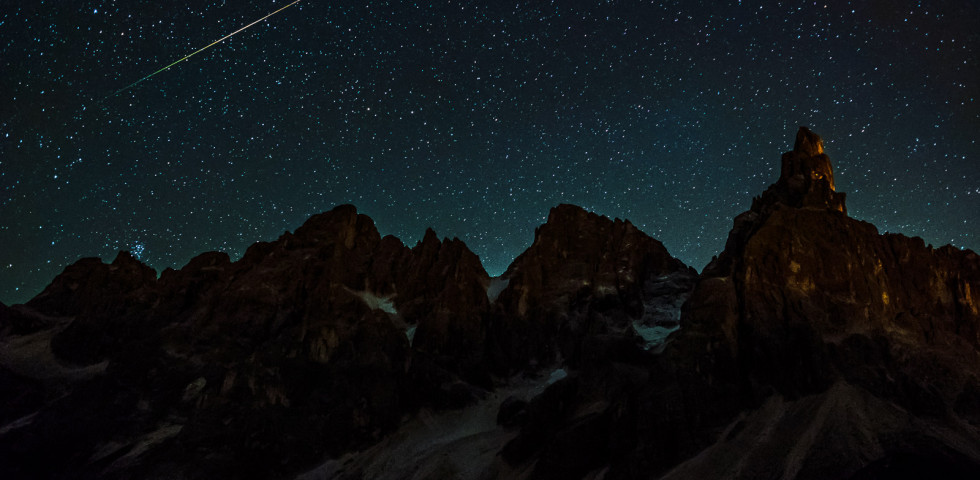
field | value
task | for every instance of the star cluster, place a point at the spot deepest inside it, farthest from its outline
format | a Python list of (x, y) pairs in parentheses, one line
[(473, 118)]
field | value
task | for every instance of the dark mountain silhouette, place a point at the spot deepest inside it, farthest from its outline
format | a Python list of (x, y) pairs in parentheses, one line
[(811, 347)]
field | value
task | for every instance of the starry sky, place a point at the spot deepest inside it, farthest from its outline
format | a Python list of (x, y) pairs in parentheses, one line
[(474, 118)]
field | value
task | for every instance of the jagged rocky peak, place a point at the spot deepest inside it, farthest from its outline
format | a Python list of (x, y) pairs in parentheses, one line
[(342, 224), (89, 282), (807, 160), (584, 273), (577, 246), (448, 257), (806, 179), (808, 143)]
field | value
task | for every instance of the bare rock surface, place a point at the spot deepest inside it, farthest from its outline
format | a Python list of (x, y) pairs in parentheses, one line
[(811, 347), (583, 277)]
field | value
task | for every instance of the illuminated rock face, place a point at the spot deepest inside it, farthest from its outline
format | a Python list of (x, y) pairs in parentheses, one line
[(807, 159), (797, 276), (808, 303), (806, 179)]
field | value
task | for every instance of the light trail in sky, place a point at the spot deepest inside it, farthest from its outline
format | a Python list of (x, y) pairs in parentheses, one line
[(226, 37)]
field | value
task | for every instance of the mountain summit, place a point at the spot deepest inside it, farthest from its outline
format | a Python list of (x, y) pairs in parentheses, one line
[(806, 179), (811, 347)]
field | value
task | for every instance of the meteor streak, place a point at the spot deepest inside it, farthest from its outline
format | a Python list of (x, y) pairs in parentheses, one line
[(226, 37)]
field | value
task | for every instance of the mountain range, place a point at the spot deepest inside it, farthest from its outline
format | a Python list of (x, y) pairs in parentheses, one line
[(811, 347)]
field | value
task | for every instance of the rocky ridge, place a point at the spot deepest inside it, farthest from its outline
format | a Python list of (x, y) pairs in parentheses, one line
[(326, 337), (811, 347), (582, 280)]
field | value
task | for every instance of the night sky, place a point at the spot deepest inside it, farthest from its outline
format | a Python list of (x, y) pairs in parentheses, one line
[(474, 118)]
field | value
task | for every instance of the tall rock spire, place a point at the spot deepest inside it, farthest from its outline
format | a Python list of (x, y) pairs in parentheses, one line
[(806, 179), (808, 143)]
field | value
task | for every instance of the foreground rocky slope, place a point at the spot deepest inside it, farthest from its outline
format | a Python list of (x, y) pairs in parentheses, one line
[(811, 347)]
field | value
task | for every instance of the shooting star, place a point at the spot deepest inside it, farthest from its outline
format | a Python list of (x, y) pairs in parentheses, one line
[(226, 37)]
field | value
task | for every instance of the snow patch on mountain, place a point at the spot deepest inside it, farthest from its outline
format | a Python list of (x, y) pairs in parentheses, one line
[(374, 302), (460, 444), (655, 337), (497, 285)]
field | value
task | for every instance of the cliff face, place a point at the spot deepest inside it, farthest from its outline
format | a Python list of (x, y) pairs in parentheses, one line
[(810, 315), (806, 179), (327, 336), (811, 347), (583, 276), (801, 281), (304, 337)]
